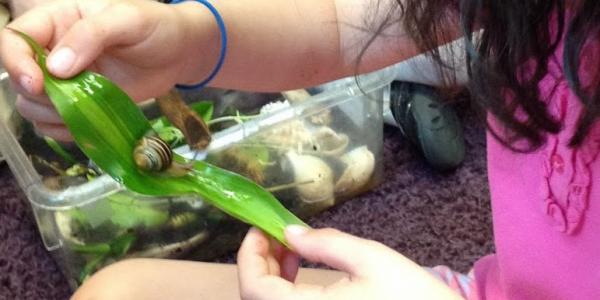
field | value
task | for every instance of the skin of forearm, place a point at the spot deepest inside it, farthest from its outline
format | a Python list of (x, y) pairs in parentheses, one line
[(276, 45)]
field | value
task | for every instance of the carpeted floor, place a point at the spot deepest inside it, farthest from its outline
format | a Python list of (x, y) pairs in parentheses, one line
[(430, 217)]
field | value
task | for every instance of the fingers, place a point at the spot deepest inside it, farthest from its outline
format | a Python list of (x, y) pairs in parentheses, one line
[(87, 38), (252, 256), (55, 131), (253, 268), (289, 265), (278, 259), (20, 90), (356, 256), (18, 61), (287, 261), (44, 117), (36, 112), (39, 24), (77, 32), (17, 56)]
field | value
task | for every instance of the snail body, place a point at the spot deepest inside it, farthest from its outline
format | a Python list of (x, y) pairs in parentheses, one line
[(152, 154)]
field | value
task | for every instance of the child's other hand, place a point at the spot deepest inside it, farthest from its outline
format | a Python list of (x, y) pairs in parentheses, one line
[(141, 45), (267, 271)]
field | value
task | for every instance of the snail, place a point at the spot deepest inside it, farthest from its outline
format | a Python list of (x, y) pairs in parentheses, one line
[(152, 154)]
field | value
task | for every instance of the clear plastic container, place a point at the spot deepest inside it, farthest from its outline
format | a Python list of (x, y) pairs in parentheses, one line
[(312, 153)]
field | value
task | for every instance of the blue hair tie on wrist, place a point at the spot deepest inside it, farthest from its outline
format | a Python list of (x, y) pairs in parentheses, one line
[(221, 25)]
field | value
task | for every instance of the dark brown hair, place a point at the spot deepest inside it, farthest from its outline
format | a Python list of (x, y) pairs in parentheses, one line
[(515, 32)]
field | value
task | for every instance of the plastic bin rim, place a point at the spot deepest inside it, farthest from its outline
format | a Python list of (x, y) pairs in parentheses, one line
[(41, 197)]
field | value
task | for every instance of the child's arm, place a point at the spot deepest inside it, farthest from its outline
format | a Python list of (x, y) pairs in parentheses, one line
[(274, 45), (279, 45), (147, 47), (266, 271)]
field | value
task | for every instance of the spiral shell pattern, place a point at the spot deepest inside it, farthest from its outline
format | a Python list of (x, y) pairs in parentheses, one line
[(152, 154)]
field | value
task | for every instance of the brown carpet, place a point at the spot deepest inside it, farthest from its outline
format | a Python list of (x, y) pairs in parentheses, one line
[(430, 217)]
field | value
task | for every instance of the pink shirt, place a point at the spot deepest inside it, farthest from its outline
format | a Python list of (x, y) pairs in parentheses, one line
[(546, 207)]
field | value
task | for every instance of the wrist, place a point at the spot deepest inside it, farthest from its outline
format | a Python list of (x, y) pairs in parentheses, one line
[(202, 40)]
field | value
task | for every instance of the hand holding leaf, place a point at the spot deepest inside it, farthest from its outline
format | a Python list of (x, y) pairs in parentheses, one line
[(107, 125)]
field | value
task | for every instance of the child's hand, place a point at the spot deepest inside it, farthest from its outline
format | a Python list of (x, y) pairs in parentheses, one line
[(267, 271), (143, 46), (18, 7)]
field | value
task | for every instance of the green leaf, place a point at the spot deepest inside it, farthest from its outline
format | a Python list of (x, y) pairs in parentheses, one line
[(204, 109), (171, 135), (58, 149), (121, 245), (100, 252), (106, 124), (128, 212), (90, 267), (96, 248), (77, 214)]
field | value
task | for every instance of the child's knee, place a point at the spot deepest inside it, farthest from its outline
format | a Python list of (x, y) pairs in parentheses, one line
[(116, 281)]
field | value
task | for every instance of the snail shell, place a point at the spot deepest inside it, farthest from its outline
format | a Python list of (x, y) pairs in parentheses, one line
[(181, 220), (360, 165), (327, 142), (311, 168), (152, 154)]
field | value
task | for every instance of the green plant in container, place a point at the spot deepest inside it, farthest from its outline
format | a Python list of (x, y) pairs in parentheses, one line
[(108, 126)]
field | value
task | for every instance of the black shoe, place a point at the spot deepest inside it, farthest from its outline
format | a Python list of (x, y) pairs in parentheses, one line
[(428, 123)]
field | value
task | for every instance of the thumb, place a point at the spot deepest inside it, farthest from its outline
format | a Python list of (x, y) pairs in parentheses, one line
[(87, 38), (356, 256)]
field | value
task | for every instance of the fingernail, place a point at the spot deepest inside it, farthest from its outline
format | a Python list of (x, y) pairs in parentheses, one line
[(26, 83), (61, 61), (296, 230)]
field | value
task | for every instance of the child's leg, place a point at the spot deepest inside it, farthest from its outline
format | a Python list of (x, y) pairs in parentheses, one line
[(175, 279)]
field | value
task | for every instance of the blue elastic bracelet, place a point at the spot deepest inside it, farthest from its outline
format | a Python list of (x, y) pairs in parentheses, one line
[(221, 25)]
